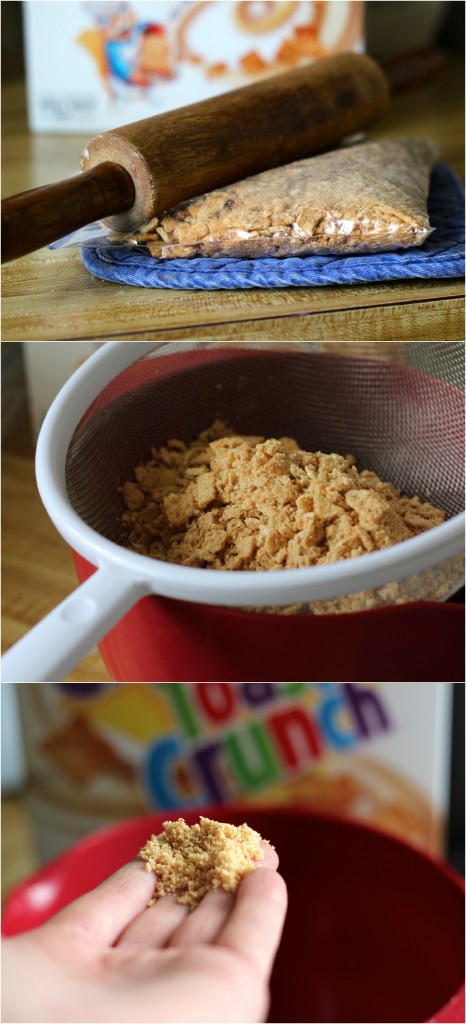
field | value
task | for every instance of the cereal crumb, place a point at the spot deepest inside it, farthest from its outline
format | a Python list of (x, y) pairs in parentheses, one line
[(230, 501), (191, 860)]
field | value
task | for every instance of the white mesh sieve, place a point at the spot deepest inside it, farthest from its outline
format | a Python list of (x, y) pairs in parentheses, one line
[(399, 408)]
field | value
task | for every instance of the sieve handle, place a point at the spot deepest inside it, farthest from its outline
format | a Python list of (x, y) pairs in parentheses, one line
[(52, 648)]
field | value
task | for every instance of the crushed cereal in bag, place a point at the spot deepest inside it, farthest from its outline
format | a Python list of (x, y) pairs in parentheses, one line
[(363, 198)]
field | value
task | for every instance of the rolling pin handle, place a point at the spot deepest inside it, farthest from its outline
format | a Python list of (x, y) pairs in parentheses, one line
[(42, 215), (411, 70)]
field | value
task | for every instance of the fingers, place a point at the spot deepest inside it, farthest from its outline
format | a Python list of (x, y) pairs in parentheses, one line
[(105, 912), (206, 921), (113, 912), (270, 857), (169, 923), (254, 928), (155, 927)]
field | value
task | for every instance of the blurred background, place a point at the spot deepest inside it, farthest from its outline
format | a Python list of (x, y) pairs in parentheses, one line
[(79, 756), (390, 27), (75, 63)]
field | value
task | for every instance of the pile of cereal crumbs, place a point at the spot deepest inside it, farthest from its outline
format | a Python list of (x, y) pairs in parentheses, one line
[(191, 860), (228, 501)]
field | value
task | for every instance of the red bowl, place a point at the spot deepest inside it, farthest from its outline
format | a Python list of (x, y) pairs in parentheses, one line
[(162, 640), (375, 927)]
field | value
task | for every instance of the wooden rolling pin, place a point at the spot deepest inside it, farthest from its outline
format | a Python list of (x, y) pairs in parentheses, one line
[(136, 172)]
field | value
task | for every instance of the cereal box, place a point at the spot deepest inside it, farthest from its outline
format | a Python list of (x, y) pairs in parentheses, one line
[(102, 752), (93, 66)]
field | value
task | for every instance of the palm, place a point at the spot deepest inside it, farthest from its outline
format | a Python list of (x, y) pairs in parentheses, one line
[(194, 972), (106, 958)]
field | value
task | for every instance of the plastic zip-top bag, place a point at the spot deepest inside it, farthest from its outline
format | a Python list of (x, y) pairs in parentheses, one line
[(363, 198)]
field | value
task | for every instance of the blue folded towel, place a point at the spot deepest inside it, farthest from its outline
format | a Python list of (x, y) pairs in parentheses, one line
[(442, 255)]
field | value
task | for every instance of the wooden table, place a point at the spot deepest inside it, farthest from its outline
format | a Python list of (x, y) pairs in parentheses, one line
[(19, 853), (37, 567), (50, 296)]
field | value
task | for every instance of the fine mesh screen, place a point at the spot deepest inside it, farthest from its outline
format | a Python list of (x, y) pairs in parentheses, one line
[(398, 408)]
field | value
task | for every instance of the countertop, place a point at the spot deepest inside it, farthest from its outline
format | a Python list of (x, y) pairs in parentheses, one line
[(37, 566), (19, 854), (50, 296)]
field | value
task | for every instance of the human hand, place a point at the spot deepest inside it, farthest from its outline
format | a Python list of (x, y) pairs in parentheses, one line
[(109, 959)]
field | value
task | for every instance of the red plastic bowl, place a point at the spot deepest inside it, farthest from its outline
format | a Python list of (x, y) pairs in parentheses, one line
[(162, 640), (375, 928)]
